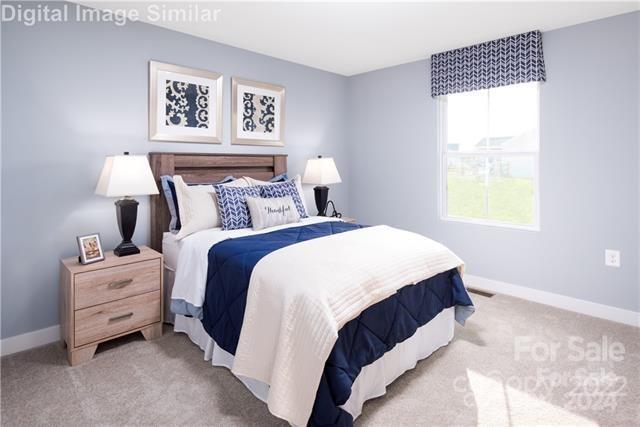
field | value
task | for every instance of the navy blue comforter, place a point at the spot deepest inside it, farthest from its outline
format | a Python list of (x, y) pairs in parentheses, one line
[(360, 342)]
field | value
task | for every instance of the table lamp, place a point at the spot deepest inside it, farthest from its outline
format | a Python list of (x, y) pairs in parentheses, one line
[(126, 176), (321, 172)]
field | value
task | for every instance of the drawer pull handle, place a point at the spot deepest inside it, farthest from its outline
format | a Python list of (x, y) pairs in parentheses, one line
[(120, 283), (122, 317)]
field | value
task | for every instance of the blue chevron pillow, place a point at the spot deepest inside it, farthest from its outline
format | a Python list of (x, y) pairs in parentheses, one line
[(232, 203), (283, 189)]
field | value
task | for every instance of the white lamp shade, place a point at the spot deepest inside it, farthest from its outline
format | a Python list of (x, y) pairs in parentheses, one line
[(321, 171), (126, 176)]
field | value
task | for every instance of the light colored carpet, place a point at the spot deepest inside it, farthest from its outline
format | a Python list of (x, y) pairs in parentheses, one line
[(480, 378)]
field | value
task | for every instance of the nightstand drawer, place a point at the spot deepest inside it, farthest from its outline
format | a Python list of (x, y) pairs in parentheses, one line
[(114, 283), (102, 321)]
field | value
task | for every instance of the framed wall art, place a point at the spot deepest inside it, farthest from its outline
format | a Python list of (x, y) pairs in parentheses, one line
[(185, 104), (257, 113)]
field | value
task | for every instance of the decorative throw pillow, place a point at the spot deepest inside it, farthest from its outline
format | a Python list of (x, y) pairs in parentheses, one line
[(169, 189), (232, 203), (240, 182), (255, 182), (283, 177), (282, 189), (197, 205), (280, 178), (271, 212)]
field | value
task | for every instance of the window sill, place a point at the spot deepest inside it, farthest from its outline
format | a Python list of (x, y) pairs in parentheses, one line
[(489, 223)]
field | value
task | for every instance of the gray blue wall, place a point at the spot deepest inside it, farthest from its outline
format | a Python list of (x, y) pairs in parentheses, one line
[(74, 93), (589, 164)]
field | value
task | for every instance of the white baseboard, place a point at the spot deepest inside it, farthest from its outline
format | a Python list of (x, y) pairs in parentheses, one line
[(29, 340), (589, 308)]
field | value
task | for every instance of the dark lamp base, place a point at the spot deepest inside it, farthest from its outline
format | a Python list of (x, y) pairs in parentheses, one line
[(126, 248), (321, 194), (127, 213)]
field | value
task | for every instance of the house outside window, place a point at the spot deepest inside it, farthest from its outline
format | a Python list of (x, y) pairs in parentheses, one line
[(489, 151)]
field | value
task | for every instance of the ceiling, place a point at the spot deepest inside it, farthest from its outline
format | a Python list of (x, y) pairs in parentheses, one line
[(356, 37)]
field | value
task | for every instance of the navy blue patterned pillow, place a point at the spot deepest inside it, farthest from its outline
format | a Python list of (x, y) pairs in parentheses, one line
[(169, 189), (280, 178), (283, 189), (232, 203)]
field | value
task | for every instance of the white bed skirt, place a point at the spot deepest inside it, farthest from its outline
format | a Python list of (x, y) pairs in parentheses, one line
[(373, 379)]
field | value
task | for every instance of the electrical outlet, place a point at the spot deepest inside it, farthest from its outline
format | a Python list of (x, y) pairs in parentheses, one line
[(611, 258)]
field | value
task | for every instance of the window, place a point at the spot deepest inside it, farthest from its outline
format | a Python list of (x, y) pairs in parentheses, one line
[(489, 156)]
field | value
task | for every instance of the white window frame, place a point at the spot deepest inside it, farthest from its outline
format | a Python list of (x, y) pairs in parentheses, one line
[(444, 155)]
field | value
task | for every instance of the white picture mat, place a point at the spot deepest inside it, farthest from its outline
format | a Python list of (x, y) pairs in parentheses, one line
[(162, 76), (273, 136)]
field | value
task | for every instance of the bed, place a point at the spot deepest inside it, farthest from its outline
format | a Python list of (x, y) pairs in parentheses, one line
[(314, 317)]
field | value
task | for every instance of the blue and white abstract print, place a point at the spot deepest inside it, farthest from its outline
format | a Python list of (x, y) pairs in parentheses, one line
[(186, 104), (258, 113)]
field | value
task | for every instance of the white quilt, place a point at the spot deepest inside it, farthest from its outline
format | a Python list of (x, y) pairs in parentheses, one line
[(193, 258), (301, 295)]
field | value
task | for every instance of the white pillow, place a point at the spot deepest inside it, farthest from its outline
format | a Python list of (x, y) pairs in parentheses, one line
[(198, 206), (271, 212), (296, 179), (240, 182)]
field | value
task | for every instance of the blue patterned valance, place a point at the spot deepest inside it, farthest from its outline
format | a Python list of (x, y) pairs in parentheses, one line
[(507, 61)]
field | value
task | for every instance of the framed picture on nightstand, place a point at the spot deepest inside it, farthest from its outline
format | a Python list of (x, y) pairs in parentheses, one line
[(90, 248)]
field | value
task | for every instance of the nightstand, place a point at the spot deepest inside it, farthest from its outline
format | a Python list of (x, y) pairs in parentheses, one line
[(108, 299), (348, 219)]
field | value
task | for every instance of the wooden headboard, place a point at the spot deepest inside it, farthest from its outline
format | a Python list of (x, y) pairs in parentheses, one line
[(204, 168)]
